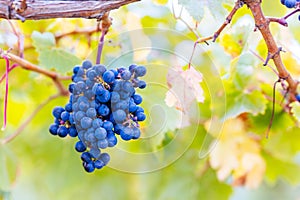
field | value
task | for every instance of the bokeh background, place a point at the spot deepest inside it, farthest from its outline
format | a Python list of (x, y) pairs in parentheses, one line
[(209, 145)]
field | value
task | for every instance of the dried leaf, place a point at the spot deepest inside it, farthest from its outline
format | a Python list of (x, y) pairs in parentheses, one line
[(184, 88)]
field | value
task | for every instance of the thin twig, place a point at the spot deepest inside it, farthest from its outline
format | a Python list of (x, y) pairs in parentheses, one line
[(27, 121), (6, 92), (260, 58), (20, 38), (83, 31), (214, 37), (273, 109), (31, 67), (9, 70), (179, 17)]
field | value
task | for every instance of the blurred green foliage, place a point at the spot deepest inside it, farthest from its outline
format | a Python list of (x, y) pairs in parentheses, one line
[(36, 165)]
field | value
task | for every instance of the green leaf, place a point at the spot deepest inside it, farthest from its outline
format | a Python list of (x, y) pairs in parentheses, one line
[(42, 40), (51, 57), (277, 168), (238, 102), (242, 70), (216, 9), (194, 7), (59, 59), (296, 110), (208, 180)]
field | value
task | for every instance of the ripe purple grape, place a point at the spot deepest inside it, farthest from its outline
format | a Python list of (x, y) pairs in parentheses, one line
[(102, 105)]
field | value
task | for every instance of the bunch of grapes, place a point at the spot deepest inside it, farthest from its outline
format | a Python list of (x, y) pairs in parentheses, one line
[(289, 3), (103, 103)]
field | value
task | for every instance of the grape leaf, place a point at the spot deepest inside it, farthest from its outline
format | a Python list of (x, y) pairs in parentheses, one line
[(237, 154), (42, 40), (50, 56), (238, 102), (281, 169), (184, 88), (194, 7), (216, 9)]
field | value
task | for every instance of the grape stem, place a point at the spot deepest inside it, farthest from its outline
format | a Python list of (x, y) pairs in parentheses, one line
[(100, 47), (282, 21), (6, 92), (104, 26)]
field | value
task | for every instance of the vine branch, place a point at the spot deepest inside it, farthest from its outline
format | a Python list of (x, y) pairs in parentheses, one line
[(41, 9), (31, 67), (262, 23)]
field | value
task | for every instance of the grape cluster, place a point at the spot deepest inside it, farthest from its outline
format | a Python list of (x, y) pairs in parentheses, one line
[(289, 3), (103, 103)]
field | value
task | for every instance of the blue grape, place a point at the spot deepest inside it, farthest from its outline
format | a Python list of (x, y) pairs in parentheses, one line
[(126, 134), (290, 3), (103, 110), (132, 106), (95, 152), (98, 164), (91, 113), (99, 69), (62, 131), (142, 84), (102, 144), (80, 146), (137, 99), (79, 115), (90, 137), (97, 123), (86, 122), (89, 167), (91, 74), (119, 116), (298, 97), (140, 116), (75, 69), (140, 71), (111, 139), (57, 111), (98, 89), (132, 67), (68, 107), (126, 75), (65, 116), (136, 133), (53, 129), (107, 125), (83, 106), (104, 97), (73, 131), (86, 157), (115, 72), (105, 158), (115, 97), (108, 76), (71, 87), (87, 64), (100, 133)]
